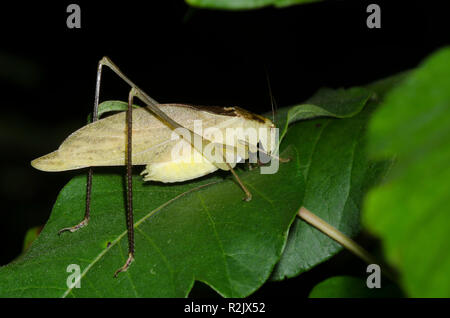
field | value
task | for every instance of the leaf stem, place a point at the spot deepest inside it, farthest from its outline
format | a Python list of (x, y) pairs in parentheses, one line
[(341, 238)]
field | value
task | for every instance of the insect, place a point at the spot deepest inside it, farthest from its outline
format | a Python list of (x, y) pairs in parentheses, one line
[(149, 135)]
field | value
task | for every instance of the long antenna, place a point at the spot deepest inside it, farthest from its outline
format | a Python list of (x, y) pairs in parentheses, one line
[(272, 100)]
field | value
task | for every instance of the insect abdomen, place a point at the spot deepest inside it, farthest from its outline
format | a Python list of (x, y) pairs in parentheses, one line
[(169, 172)]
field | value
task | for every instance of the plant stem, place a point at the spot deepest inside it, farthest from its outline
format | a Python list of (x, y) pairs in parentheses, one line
[(335, 234), (341, 238)]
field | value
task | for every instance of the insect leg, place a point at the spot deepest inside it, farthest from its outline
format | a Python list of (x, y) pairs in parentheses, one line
[(221, 150), (87, 212), (138, 92), (248, 195), (130, 223), (152, 105)]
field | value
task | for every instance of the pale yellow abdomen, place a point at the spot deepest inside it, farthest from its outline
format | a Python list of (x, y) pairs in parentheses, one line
[(177, 171)]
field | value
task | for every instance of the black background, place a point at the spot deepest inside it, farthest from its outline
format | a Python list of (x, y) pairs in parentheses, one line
[(180, 54)]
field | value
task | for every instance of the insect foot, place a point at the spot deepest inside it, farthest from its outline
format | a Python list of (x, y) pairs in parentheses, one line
[(74, 228), (124, 268), (283, 160), (247, 198)]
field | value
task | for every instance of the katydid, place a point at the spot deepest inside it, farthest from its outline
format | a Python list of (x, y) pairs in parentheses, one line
[(144, 136)]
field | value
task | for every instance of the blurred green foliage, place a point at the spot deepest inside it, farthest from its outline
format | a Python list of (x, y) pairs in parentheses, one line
[(410, 212), (244, 4)]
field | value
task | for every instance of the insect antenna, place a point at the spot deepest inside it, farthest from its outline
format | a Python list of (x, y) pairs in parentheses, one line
[(273, 102)]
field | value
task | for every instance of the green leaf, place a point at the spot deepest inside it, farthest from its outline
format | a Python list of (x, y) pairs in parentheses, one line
[(340, 103), (333, 163), (201, 230), (184, 232), (352, 287), (110, 106), (337, 172), (244, 4), (410, 212), (30, 236)]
